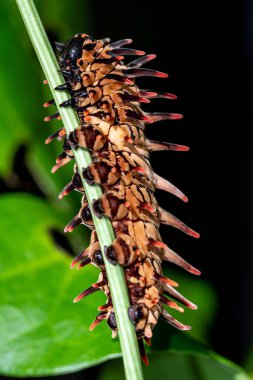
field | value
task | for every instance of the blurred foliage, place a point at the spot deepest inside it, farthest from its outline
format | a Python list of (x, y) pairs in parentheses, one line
[(42, 332), (22, 117), (249, 362), (194, 363)]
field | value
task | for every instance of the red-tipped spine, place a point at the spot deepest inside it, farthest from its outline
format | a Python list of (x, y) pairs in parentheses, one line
[(85, 293)]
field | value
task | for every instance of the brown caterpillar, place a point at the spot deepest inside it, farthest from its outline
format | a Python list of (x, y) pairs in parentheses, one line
[(112, 127)]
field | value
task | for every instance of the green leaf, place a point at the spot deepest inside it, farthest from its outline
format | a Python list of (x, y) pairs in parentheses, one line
[(42, 331), (187, 360)]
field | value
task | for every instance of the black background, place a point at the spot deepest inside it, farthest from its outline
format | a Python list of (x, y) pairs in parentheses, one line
[(206, 47)]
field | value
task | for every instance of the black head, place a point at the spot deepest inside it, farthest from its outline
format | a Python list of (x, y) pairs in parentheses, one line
[(72, 51)]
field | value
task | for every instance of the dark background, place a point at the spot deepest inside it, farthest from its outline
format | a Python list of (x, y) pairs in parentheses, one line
[(206, 47)]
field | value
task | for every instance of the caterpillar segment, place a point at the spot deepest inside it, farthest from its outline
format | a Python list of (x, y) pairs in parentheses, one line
[(108, 103), (110, 168)]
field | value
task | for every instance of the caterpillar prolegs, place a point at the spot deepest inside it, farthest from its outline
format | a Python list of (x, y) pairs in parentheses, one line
[(112, 127)]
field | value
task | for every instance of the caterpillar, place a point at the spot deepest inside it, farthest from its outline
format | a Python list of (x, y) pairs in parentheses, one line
[(108, 101)]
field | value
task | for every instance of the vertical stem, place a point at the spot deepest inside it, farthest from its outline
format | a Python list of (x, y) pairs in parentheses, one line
[(115, 274)]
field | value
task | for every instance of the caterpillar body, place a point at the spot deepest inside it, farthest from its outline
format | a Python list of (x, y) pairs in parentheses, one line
[(112, 127)]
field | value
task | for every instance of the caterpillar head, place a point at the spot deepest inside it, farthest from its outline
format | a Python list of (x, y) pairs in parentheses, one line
[(71, 51)]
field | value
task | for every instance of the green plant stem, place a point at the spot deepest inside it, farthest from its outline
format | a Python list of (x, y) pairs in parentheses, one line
[(115, 274)]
